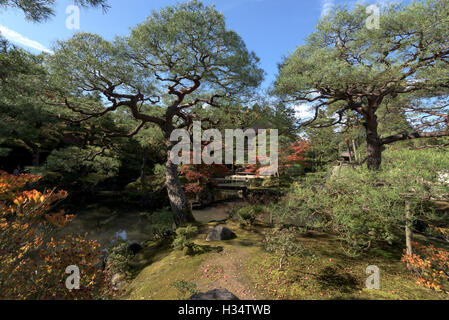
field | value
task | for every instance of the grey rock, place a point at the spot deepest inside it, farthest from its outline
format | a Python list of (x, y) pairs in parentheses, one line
[(215, 294), (220, 233), (118, 281)]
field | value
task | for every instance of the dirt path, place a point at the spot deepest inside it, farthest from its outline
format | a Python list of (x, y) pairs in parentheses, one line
[(230, 268), (226, 270)]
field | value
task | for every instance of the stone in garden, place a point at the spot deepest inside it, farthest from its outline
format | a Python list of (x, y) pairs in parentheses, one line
[(215, 294), (220, 233), (118, 281)]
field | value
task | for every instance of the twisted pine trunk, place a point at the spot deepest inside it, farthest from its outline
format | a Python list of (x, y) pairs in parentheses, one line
[(143, 168), (182, 212), (373, 141)]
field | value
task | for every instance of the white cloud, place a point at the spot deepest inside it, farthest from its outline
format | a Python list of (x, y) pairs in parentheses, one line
[(304, 111), (20, 39), (326, 7)]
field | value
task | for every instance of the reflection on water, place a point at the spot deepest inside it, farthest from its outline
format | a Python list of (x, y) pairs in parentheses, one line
[(122, 235), (216, 212), (107, 226)]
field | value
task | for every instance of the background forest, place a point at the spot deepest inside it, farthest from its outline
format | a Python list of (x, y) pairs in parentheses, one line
[(86, 178)]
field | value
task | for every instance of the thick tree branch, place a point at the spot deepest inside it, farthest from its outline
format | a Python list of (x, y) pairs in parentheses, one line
[(414, 135)]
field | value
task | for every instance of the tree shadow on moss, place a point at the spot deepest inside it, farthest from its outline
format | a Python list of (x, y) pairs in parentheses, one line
[(194, 249), (331, 278), (152, 252)]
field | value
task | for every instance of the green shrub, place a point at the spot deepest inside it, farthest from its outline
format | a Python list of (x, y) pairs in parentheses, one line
[(184, 288), (183, 237), (363, 206), (159, 170), (258, 182), (271, 182), (161, 223), (295, 170), (249, 213), (283, 243), (188, 232), (118, 260), (153, 183), (51, 178)]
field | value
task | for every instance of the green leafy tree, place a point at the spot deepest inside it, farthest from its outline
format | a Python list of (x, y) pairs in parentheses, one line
[(324, 143), (180, 57), (283, 243), (26, 121), (363, 206), (346, 67), (41, 10), (32, 120)]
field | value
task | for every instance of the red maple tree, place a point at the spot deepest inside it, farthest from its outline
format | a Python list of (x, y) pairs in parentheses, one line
[(294, 153), (199, 176)]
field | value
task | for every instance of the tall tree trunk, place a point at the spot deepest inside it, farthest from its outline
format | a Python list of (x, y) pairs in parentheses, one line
[(36, 156), (143, 167), (373, 141), (408, 231), (355, 151), (36, 153), (182, 212), (144, 200), (349, 150)]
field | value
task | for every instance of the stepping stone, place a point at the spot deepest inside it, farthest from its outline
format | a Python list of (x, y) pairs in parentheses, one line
[(215, 294), (220, 233)]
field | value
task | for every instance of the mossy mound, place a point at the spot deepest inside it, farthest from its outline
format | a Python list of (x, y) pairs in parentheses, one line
[(243, 267), (329, 274)]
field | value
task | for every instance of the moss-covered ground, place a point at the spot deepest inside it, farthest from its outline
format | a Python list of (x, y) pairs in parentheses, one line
[(244, 268)]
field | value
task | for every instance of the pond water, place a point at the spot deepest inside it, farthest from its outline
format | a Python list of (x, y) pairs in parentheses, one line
[(216, 212), (107, 226)]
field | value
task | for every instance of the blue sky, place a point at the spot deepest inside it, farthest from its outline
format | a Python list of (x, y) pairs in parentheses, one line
[(271, 28)]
